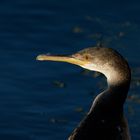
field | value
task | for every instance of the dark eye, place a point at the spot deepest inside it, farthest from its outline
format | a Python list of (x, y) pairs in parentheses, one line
[(87, 57)]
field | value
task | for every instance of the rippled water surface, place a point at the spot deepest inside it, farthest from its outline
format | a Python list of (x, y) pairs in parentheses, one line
[(45, 100)]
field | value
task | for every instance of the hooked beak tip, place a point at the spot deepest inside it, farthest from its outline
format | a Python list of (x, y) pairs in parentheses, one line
[(40, 58)]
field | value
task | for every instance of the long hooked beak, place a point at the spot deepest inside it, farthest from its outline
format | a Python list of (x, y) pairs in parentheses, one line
[(68, 59)]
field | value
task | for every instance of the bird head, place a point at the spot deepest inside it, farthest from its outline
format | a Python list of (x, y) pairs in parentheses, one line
[(105, 60)]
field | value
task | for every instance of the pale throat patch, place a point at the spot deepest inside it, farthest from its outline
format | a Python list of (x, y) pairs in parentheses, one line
[(90, 66), (113, 77)]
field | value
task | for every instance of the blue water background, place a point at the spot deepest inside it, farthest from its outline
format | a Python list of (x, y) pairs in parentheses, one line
[(47, 100)]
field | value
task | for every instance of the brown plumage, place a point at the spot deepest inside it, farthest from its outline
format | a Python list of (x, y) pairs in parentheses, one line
[(105, 119)]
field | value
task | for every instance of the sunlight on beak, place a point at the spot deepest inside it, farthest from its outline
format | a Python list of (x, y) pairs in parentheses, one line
[(68, 59)]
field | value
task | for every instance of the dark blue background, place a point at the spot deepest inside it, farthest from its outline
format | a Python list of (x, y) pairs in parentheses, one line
[(46, 100)]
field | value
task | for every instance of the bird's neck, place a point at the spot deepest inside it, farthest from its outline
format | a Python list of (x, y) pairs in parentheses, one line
[(113, 98)]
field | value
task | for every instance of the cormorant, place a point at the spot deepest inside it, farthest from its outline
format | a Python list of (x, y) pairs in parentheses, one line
[(105, 119)]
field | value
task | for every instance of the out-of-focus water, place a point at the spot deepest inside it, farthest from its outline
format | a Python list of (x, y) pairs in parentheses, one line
[(45, 100)]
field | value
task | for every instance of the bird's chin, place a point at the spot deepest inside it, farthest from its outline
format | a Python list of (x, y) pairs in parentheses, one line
[(89, 66)]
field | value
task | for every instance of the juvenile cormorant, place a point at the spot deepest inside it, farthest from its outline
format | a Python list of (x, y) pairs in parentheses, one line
[(105, 119)]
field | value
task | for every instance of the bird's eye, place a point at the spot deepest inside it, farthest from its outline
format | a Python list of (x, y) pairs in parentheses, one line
[(87, 57)]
